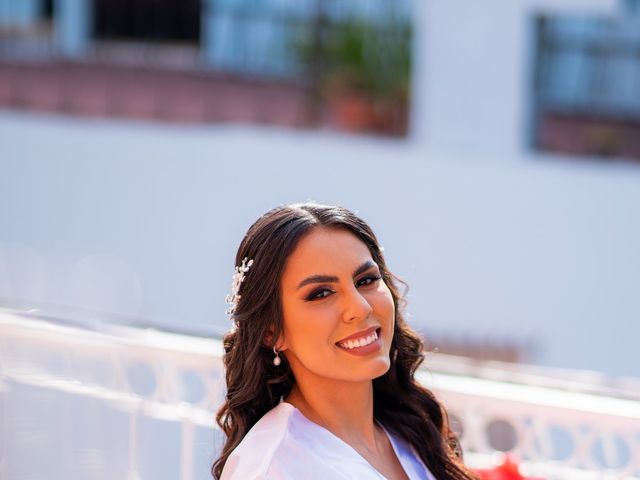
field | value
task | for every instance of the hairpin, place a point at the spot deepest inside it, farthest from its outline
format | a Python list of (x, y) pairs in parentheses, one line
[(238, 277)]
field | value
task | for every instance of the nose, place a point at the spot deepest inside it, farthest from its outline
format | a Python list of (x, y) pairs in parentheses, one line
[(356, 306)]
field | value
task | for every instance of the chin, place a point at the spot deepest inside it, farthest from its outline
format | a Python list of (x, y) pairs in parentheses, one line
[(377, 369), (384, 368)]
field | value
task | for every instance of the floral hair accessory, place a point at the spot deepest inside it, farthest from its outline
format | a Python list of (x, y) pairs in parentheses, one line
[(238, 277)]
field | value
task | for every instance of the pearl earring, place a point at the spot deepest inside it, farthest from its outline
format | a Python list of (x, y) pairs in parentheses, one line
[(276, 360)]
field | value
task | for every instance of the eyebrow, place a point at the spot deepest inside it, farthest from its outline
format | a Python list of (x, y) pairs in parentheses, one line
[(332, 279)]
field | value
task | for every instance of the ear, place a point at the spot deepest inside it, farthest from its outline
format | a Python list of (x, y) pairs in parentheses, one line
[(268, 340)]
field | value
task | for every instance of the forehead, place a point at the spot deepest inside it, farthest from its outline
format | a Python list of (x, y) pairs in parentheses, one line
[(325, 250)]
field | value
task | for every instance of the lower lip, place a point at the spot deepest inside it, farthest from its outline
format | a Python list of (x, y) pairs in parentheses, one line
[(366, 350)]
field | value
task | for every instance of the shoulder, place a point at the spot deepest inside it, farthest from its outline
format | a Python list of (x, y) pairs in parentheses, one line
[(264, 447)]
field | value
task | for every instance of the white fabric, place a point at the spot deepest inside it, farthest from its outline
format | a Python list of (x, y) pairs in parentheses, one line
[(285, 445)]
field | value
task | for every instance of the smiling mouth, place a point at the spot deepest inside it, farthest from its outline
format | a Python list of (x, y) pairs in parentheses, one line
[(357, 343)]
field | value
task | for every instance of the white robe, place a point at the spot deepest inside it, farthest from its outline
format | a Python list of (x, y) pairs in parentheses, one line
[(285, 445)]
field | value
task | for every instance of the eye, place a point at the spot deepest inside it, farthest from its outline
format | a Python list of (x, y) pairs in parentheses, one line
[(318, 294), (325, 292), (369, 280)]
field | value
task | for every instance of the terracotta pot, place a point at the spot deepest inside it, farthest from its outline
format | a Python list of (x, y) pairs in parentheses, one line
[(353, 112)]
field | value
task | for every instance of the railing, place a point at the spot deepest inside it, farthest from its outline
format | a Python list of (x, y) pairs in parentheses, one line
[(266, 39), (124, 384), (341, 63), (558, 433), (132, 403)]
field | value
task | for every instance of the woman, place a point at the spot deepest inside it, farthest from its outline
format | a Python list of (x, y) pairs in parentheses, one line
[(320, 362)]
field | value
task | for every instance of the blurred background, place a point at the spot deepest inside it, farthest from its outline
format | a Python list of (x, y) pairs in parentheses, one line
[(493, 146)]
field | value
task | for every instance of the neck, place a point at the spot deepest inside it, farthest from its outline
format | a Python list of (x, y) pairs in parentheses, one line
[(343, 408)]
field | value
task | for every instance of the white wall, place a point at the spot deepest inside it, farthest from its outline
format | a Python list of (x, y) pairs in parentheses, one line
[(144, 220)]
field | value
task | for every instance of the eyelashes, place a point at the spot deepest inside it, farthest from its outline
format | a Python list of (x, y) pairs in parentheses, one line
[(324, 292), (372, 278)]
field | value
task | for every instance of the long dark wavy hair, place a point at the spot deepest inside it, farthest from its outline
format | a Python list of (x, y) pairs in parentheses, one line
[(255, 385)]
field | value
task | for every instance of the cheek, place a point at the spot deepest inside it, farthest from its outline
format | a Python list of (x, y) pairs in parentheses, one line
[(314, 330), (384, 302)]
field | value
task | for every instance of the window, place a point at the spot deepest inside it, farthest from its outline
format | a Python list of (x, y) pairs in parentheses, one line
[(587, 86), (148, 20)]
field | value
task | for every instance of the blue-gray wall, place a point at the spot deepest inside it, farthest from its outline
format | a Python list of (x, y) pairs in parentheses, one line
[(144, 220)]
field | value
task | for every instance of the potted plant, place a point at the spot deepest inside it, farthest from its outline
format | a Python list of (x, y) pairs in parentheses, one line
[(362, 73)]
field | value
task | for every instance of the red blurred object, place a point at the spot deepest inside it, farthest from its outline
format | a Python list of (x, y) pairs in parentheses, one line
[(507, 470)]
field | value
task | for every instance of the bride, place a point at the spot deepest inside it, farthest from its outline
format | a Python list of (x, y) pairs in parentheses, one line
[(320, 362)]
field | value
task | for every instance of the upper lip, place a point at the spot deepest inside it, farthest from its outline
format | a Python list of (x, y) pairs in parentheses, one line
[(360, 334)]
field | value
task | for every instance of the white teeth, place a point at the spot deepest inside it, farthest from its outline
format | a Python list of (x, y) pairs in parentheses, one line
[(360, 342)]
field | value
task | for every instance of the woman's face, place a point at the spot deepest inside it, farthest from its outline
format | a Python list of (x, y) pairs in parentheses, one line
[(338, 313)]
